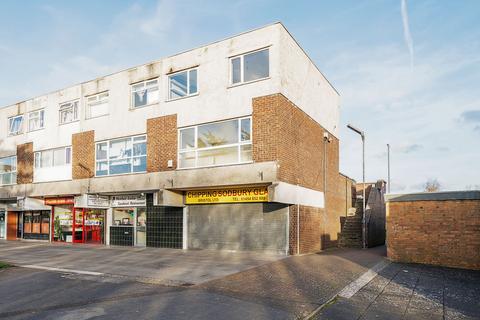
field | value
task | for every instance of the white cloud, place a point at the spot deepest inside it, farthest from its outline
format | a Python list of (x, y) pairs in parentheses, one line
[(406, 30)]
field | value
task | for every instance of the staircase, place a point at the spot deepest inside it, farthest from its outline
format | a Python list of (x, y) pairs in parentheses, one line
[(351, 235)]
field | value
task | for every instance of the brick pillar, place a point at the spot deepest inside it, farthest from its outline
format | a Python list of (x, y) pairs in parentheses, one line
[(25, 163), (83, 155), (161, 143)]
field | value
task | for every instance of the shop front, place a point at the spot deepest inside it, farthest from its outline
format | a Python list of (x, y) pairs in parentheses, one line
[(3, 224), (73, 223), (27, 219), (129, 220), (237, 218)]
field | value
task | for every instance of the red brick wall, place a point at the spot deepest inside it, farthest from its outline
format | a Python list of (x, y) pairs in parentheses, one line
[(443, 233), (284, 133), (25, 160), (83, 155), (161, 143)]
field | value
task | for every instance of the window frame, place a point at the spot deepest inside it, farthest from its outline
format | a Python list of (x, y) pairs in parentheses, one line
[(22, 124), (11, 173), (132, 157), (41, 119), (189, 94), (144, 82), (96, 102), (238, 144), (73, 104), (37, 157), (242, 71)]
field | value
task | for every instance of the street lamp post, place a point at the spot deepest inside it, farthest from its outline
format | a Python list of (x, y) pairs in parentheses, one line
[(388, 166), (362, 134)]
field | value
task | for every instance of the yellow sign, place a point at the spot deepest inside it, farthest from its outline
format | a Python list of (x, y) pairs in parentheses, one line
[(228, 195)]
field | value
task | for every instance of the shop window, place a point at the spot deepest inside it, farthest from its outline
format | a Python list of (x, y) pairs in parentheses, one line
[(145, 93), (218, 143), (53, 158), (97, 105), (36, 120), (68, 112), (123, 217), (8, 170), (249, 67), (15, 125), (182, 84), (120, 156)]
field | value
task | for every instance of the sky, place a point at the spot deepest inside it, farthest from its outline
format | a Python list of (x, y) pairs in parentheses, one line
[(408, 72)]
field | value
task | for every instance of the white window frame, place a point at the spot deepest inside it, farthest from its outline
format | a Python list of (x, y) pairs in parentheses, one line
[(11, 173), (20, 130), (74, 105), (41, 119), (67, 154), (189, 94), (98, 100), (242, 75), (238, 144), (132, 157), (144, 83)]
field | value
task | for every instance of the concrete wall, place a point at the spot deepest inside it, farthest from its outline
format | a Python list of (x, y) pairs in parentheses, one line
[(375, 214), (439, 229)]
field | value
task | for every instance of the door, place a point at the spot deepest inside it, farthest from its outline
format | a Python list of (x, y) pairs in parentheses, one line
[(78, 223), (12, 225), (94, 226), (2, 225), (141, 226)]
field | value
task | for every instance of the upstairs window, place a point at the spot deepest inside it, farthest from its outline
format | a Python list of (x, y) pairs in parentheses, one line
[(15, 125), (250, 67), (145, 93), (36, 120), (97, 105), (182, 84), (53, 158), (8, 170), (69, 112), (120, 156), (218, 143)]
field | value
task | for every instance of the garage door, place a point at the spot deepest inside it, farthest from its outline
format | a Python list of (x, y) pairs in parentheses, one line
[(244, 227)]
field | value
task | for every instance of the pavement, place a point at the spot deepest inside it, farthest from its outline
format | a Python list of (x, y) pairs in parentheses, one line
[(412, 291), (152, 265), (112, 283)]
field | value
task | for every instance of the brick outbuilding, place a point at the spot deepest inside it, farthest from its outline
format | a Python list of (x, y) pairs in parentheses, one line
[(440, 228)]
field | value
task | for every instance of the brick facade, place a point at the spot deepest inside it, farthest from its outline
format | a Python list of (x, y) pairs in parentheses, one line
[(284, 133), (161, 143), (83, 155), (443, 233), (25, 160)]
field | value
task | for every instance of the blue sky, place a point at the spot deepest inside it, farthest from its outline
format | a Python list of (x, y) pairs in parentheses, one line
[(421, 96)]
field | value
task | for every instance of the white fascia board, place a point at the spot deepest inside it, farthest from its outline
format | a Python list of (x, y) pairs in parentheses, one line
[(283, 192)]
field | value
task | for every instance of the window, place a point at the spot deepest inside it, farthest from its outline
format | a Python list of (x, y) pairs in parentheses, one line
[(15, 125), (249, 67), (119, 156), (218, 143), (8, 170), (68, 112), (97, 105), (145, 93), (53, 158), (182, 84), (36, 120)]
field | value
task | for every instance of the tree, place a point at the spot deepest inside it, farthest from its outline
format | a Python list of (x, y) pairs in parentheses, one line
[(432, 185)]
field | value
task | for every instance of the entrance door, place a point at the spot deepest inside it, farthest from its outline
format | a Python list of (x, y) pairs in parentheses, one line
[(141, 226), (2, 225), (78, 224)]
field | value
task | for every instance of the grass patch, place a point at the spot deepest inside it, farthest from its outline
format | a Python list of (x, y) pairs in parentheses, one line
[(4, 265)]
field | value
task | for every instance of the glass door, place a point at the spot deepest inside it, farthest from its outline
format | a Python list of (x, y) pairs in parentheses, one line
[(78, 223), (94, 226), (3, 234), (141, 227)]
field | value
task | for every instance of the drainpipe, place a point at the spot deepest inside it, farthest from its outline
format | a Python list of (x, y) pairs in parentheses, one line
[(326, 139)]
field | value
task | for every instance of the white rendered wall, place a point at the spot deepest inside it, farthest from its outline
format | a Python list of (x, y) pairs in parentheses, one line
[(291, 73)]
